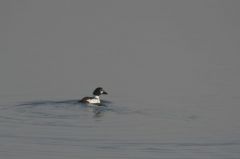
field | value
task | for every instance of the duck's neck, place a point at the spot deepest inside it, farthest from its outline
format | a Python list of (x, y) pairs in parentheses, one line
[(97, 97)]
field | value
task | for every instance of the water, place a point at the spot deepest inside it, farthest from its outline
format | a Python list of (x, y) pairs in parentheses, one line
[(127, 129), (171, 69)]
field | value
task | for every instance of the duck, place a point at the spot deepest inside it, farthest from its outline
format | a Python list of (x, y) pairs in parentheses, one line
[(95, 99)]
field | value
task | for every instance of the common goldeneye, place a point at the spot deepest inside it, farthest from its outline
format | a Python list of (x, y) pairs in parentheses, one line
[(96, 97)]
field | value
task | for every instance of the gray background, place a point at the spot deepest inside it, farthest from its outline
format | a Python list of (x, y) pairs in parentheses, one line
[(139, 48), (171, 69)]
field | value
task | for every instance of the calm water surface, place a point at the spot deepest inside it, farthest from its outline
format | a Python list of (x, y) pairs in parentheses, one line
[(175, 127), (171, 69)]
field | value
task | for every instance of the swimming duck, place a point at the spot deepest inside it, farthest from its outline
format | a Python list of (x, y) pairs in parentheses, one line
[(96, 97)]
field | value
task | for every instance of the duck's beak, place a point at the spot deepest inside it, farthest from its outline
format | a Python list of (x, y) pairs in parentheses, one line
[(104, 92)]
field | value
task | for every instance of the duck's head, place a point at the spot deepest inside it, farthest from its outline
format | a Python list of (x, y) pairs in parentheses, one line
[(99, 91)]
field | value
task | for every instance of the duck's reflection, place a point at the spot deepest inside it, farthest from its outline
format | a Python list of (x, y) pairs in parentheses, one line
[(100, 109), (98, 112)]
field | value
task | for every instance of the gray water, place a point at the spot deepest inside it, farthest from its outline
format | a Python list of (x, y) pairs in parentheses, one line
[(171, 69)]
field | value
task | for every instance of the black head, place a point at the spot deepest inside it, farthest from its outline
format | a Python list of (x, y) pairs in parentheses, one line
[(98, 91)]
